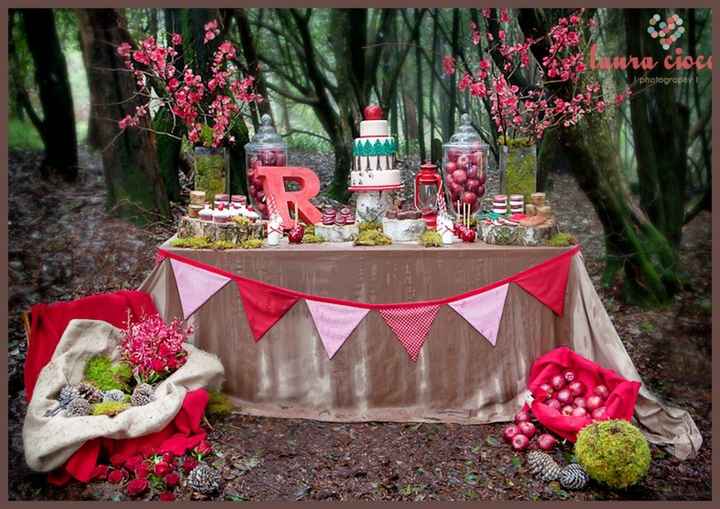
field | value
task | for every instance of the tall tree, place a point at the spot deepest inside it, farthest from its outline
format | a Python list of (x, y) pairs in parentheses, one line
[(132, 174), (420, 78), (57, 127)]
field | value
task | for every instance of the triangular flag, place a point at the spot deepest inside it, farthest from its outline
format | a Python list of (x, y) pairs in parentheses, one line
[(483, 311), (547, 282), (195, 286), (334, 323), (263, 305), (411, 325)]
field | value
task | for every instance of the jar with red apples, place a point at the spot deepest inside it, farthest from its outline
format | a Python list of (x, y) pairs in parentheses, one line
[(266, 148), (465, 161)]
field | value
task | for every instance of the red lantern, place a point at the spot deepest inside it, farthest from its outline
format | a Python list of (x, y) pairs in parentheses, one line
[(428, 185)]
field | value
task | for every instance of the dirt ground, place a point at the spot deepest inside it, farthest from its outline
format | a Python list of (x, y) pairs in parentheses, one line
[(63, 245)]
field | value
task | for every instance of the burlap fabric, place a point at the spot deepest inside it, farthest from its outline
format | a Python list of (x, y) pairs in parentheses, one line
[(50, 441)]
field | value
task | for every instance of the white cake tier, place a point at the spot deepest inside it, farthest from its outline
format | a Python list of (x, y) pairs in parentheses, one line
[(374, 178), (379, 163), (374, 128)]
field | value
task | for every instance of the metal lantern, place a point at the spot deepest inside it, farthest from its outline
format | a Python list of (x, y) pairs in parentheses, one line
[(428, 185), (465, 162), (266, 148)]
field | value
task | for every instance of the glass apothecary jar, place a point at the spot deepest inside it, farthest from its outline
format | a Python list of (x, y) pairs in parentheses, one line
[(518, 167), (266, 148), (464, 167)]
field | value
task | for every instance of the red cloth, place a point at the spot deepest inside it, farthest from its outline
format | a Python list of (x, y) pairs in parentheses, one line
[(177, 437), (50, 320), (263, 305), (620, 403), (547, 282)]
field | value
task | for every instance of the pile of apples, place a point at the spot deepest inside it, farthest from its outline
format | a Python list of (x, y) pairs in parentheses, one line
[(465, 177), (518, 435), (264, 157), (572, 398)]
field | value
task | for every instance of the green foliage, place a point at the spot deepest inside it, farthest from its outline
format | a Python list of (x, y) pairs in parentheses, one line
[(370, 237), (431, 238), (311, 238), (613, 452), (109, 408), (251, 243), (23, 135), (516, 142), (101, 372), (210, 173), (520, 171), (206, 243), (561, 240), (364, 226), (219, 405)]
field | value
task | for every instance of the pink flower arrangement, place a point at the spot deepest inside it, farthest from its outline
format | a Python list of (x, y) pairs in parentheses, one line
[(208, 109), (154, 348), (531, 112)]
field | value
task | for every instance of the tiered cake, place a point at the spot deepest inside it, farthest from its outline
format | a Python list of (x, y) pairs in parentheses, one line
[(374, 155)]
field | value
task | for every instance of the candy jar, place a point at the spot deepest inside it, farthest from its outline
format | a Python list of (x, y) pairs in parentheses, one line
[(465, 160), (266, 148)]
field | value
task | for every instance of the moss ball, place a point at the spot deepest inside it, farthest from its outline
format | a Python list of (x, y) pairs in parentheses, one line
[(431, 238), (613, 452)]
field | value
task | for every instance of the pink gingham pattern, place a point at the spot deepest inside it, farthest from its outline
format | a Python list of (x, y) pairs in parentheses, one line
[(411, 325)]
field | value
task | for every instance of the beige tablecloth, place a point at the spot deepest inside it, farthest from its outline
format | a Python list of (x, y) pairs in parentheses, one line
[(459, 376)]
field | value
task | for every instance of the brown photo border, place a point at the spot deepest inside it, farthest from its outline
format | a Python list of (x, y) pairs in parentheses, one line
[(329, 4)]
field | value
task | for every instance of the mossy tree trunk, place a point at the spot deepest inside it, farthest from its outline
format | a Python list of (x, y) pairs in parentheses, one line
[(135, 187)]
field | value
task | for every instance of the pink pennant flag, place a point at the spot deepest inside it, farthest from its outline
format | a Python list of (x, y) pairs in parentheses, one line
[(483, 311), (195, 286), (411, 325), (334, 323)]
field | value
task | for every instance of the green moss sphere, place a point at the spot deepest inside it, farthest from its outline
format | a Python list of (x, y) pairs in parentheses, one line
[(613, 452)]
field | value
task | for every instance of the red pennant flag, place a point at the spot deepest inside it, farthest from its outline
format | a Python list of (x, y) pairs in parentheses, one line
[(547, 282), (411, 325), (263, 305)]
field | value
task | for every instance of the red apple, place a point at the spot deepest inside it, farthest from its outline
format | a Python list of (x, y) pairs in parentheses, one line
[(601, 391), (569, 376), (580, 402), (469, 235), (520, 442), (456, 188), (593, 402), (600, 413), (577, 388), (373, 112), (463, 161), (262, 209), (510, 432), (546, 389), (469, 198), (579, 412), (546, 441), (567, 410), (558, 382), (481, 189), (472, 171), (459, 176), (553, 403), (453, 154), (482, 177), (472, 185), (564, 396), (450, 167), (522, 416), (527, 428), (296, 233)]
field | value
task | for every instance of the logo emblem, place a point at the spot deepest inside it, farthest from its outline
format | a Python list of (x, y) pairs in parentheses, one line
[(668, 31)]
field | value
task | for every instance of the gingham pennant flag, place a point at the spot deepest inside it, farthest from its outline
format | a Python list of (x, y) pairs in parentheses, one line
[(411, 325)]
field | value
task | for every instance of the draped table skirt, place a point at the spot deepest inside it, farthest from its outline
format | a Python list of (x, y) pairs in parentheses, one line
[(458, 377)]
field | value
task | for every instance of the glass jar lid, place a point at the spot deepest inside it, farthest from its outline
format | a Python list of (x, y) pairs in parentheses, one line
[(465, 134), (266, 135)]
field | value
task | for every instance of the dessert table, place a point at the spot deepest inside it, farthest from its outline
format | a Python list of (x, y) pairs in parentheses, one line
[(458, 377)]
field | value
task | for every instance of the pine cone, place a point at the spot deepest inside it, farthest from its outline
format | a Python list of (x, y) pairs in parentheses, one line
[(542, 466), (113, 395), (90, 393), (139, 398), (204, 479), (573, 477), (146, 389), (67, 394), (77, 407)]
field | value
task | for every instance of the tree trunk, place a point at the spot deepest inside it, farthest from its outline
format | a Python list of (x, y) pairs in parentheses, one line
[(253, 63), (419, 77), (660, 127), (132, 175), (58, 125)]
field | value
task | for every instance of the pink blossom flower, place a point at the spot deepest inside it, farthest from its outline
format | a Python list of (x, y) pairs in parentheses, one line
[(448, 64), (176, 39), (124, 49)]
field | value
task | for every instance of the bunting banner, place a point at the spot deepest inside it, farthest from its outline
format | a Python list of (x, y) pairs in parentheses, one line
[(484, 311), (195, 286), (411, 325), (335, 319), (334, 323)]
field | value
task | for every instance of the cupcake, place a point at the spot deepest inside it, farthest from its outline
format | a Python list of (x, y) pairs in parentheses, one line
[(345, 217), (206, 214), (328, 216), (221, 214)]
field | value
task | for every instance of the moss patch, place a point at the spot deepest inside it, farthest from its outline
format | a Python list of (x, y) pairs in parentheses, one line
[(613, 452), (520, 171), (561, 240), (311, 238), (251, 243), (372, 238), (219, 405), (101, 372), (206, 243), (210, 173), (109, 408), (431, 238)]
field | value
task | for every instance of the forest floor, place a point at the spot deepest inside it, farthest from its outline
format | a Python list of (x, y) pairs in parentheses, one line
[(63, 245)]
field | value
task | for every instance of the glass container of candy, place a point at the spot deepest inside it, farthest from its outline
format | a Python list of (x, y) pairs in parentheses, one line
[(464, 167), (266, 148)]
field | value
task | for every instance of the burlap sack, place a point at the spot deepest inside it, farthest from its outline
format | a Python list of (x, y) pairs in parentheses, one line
[(50, 441)]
